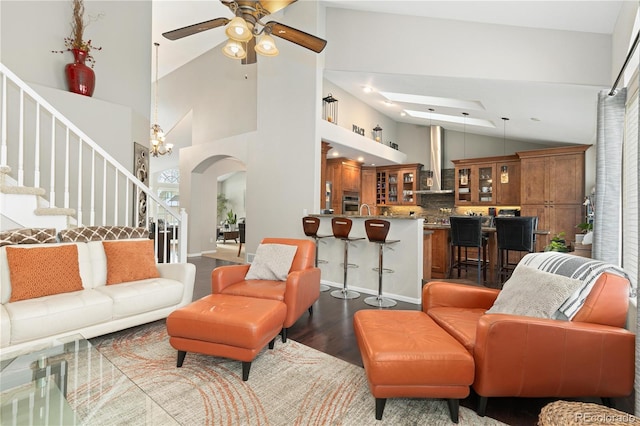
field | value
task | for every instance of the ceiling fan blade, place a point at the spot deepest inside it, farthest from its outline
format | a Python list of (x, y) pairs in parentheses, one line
[(275, 5), (251, 52), (298, 37), (195, 28)]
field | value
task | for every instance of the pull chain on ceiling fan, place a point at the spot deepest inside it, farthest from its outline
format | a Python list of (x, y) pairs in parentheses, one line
[(246, 26)]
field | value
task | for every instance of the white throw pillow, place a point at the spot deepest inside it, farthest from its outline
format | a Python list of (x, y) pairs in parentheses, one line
[(534, 293), (271, 262)]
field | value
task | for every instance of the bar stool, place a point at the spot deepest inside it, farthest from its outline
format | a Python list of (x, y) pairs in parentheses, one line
[(377, 231), (310, 226), (466, 232), (341, 227), (514, 234)]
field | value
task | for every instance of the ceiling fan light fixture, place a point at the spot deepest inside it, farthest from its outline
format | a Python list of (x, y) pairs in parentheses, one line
[(266, 46), (234, 50), (238, 30)]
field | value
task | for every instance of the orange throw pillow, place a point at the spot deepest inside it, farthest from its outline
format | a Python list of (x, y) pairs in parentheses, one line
[(43, 271), (130, 261)]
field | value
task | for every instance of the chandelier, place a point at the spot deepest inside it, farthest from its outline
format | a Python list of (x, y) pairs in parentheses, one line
[(158, 147)]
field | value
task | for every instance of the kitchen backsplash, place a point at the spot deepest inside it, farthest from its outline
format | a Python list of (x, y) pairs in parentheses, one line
[(431, 208)]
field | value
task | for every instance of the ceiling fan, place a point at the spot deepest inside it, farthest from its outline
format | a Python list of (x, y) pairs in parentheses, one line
[(246, 26)]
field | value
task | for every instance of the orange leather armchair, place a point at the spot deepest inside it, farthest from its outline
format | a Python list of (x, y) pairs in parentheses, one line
[(299, 292), (591, 355)]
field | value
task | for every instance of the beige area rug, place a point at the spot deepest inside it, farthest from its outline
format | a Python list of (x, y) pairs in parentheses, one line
[(228, 252), (289, 385)]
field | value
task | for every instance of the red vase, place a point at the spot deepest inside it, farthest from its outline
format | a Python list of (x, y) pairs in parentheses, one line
[(80, 78)]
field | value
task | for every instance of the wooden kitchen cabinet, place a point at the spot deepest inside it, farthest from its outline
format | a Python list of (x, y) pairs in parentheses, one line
[(368, 188), (478, 183), (508, 193), (552, 188), (344, 176), (350, 176), (396, 185), (440, 253)]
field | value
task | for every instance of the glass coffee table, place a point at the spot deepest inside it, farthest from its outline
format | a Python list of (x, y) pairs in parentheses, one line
[(71, 383)]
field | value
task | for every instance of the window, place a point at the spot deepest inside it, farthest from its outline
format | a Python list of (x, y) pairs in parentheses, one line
[(630, 187)]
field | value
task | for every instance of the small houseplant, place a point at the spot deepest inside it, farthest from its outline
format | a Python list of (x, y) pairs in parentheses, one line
[(221, 206), (557, 243), (231, 217)]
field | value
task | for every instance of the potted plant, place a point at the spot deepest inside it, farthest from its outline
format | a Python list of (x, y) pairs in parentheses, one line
[(231, 219), (585, 227), (80, 77), (221, 206), (557, 243)]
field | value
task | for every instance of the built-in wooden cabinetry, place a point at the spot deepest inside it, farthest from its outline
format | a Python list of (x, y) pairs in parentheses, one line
[(479, 181), (368, 181), (440, 253), (344, 176), (396, 185), (552, 188)]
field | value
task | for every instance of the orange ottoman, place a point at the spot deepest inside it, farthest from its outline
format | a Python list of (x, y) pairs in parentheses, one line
[(227, 326), (406, 354)]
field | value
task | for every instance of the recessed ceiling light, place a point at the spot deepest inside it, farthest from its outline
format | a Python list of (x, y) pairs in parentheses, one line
[(451, 118), (403, 113), (434, 100), (361, 159), (367, 89), (335, 153)]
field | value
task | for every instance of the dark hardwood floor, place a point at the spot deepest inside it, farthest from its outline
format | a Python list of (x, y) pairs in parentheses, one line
[(330, 330)]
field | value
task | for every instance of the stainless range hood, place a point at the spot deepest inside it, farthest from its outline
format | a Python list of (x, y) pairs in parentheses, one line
[(437, 158)]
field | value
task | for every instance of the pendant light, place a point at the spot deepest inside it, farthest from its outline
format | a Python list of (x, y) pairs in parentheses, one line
[(504, 170), (464, 173), (158, 147)]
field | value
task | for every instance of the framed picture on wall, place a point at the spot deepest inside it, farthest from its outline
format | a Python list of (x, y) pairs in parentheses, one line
[(141, 171)]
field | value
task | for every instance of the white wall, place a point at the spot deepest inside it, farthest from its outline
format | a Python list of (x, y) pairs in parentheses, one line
[(352, 110), (32, 29), (117, 114), (415, 141), (481, 146), (370, 41), (283, 170)]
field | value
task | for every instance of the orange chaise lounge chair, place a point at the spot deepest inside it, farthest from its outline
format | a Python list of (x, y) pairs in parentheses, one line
[(298, 290)]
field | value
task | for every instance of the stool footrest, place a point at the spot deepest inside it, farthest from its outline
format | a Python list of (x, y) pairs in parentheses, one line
[(385, 270)]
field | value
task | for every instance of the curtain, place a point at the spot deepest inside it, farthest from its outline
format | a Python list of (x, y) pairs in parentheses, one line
[(608, 211)]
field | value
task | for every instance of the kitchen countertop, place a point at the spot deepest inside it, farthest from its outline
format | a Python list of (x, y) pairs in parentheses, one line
[(357, 216)]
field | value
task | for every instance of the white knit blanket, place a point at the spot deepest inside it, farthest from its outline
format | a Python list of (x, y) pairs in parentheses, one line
[(581, 268)]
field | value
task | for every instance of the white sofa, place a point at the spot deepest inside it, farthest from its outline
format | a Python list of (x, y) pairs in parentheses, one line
[(97, 309)]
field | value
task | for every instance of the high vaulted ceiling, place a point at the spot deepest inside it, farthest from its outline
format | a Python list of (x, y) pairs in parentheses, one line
[(569, 110)]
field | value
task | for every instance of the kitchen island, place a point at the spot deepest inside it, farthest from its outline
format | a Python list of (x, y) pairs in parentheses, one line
[(405, 258)]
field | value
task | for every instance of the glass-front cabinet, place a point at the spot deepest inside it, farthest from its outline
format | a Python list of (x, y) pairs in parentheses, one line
[(408, 180), (485, 177), (464, 176), (396, 185), (487, 181), (393, 187)]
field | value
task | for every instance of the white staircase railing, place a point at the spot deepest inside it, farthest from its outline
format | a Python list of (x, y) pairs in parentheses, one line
[(43, 148)]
